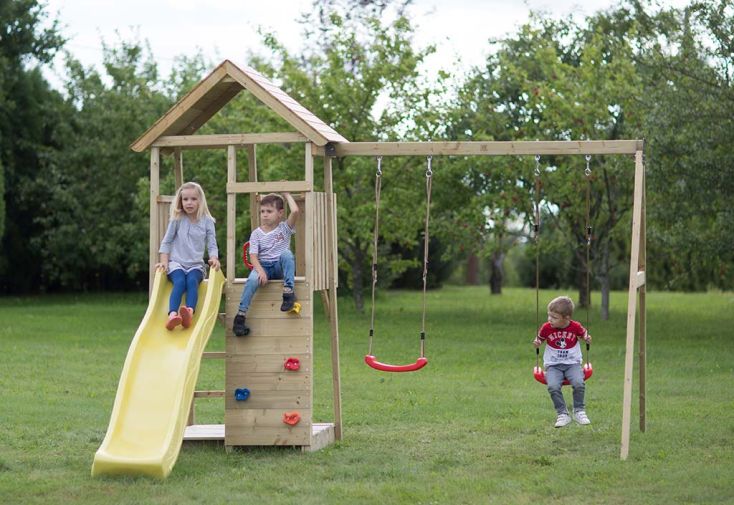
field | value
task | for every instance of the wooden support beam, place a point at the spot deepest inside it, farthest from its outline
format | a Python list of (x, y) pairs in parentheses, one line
[(642, 266), (178, 167), (632, 305), (231, 212), (478, 148), (252, 168), (155, 189), (208, 394), (224, 140), (214, 355), (269, 187)]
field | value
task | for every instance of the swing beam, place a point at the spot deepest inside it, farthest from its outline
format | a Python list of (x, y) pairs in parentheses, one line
[(638, 256)]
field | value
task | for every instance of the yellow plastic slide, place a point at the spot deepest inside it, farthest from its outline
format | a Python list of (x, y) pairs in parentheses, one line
[(156, 386)]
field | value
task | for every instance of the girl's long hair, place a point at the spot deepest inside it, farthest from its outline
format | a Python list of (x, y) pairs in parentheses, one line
[(177, 206)]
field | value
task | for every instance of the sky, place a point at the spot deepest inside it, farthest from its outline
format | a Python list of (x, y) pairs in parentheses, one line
[(228, 29)]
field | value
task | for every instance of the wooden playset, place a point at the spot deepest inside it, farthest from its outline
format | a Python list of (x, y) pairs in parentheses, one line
[(269, 374)]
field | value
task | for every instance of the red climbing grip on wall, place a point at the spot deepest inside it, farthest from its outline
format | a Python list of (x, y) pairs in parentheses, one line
[(292, 364), (291, 418)]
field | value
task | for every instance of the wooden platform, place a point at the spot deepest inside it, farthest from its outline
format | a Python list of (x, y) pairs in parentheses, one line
[(322, 435)]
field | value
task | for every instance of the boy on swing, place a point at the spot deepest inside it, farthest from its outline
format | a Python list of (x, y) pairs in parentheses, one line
[(562, 359), (270, 255)]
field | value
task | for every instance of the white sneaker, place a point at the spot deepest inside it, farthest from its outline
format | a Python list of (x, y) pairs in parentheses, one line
[(563, 420), (580, 417)]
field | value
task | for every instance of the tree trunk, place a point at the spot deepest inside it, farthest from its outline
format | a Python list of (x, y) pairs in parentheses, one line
[(582, 283), (497, 273), (605, 281), (357, 280), (472, 270)]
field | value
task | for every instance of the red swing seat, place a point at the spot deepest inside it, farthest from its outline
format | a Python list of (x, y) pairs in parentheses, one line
[(539, 374), (372, 362)]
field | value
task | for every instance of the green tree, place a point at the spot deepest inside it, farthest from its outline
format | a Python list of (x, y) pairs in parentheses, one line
[(557, 80), (29, 124), (348, 67), (95, 229), (687, 57)]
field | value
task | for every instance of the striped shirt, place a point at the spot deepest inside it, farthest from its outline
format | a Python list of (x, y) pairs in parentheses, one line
[(270, 245)]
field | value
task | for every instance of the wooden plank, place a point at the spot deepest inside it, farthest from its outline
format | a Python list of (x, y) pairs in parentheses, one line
[(632, 307), (228, 89), (252, 177), (155, 190), (178, 167), (231, 213), (264, 363), (202, 432), (265, 427), (642, 265), (478, 148), (273, 381), (165, 199), (309, 236), (269, 187), (271, 399), (334, 315), (322, 435), (273, 290), (208, 394), (282, 344), (230, 139), (213, 355)]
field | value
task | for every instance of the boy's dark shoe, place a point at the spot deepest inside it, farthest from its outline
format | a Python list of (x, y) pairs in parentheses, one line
[(289, 299), (239, 328)]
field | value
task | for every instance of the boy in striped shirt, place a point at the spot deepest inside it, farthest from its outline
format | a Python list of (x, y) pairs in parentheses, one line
[(270, 255)]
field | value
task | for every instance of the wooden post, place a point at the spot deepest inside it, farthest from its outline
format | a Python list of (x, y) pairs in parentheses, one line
[(155, 191), (309, 215), (643, 310), (632, 304), (231, 213), (254, 204), (333, 262), (178, 167)]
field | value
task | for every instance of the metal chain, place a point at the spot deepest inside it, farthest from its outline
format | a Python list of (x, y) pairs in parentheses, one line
[(426, 237), (378, 190)]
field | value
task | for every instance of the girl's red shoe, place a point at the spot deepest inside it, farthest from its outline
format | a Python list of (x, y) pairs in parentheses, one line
[(173, 321)]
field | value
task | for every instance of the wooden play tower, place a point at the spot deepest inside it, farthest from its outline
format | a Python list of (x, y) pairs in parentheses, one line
[(257, 362)]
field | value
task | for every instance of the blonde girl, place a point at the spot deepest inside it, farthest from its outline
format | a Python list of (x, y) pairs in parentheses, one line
[(190, 231)]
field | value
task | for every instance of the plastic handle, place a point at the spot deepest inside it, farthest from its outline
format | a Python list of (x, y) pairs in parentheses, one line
[(245, 249), (372, 362), (292, 364)]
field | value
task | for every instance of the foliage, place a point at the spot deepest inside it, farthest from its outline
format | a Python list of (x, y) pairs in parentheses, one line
[(29, 123), (687, 58), (347, 67)]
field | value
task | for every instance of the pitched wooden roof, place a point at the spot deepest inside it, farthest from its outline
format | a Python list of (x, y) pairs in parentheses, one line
[(217, 89)]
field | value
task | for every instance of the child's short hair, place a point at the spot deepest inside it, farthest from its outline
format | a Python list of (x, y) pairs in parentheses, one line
[(562, 305), (273, 199)]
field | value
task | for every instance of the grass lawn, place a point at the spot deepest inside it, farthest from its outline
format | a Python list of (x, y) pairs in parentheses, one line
[(472, 427)]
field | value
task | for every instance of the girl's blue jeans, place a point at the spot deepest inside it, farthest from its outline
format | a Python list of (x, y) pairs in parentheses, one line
[(284, 268), (184, 282)]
